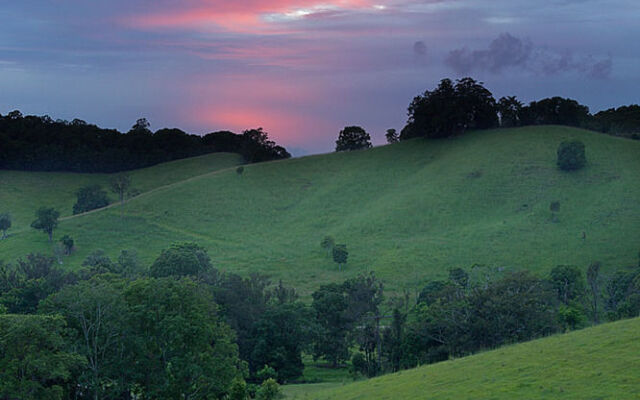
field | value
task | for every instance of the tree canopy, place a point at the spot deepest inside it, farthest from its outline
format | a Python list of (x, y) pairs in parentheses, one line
[(353, 138)]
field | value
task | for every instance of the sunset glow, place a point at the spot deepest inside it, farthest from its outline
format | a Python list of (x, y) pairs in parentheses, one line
[(303, 69)]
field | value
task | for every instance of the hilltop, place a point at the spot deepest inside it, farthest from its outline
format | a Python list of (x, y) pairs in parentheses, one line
[(408, 211), (594, 363)]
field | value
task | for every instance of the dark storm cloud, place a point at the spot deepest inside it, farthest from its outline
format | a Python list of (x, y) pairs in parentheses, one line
[(510, 52)]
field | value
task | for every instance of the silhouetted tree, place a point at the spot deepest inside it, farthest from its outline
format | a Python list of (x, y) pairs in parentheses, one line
[(353, 138), (451, 109), (510, 111), (392, 136), (46, 221)]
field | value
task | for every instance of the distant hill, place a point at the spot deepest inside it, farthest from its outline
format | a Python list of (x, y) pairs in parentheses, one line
[(408, 211), (594, 363)]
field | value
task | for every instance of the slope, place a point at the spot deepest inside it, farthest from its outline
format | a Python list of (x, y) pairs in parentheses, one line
[(408, 211), (595, 363)]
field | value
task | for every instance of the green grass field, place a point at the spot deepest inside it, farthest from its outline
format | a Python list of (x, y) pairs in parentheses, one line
[(595, 363), (408, 211)]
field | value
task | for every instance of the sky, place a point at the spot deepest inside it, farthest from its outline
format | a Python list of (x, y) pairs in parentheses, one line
[(304, 69)]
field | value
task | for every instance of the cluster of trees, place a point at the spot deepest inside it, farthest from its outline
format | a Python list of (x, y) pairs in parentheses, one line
[(455, 107), (180, 328), (42, 144)]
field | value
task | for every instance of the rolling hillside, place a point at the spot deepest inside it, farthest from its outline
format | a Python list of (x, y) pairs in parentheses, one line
[(409, 211), (594, 363)]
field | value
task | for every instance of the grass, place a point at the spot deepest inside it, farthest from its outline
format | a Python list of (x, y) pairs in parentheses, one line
[(408, 211), (595, 363)]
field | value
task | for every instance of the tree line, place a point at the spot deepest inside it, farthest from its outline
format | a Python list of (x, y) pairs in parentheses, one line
[(181, 328), (453, 108), (36, 143)]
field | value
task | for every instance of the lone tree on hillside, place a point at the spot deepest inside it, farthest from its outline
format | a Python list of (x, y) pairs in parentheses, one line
[(120, 185), (340, 255), (353, 138), (571, 156), (392, 136), (46, 221), (5, 224)]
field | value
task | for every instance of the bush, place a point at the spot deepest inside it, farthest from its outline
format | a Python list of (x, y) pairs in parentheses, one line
[(571, 156), (89, 198)]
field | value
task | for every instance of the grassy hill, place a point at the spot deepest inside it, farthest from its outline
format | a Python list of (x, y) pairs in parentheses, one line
[(24, 192), (594, 363), (409, 211)]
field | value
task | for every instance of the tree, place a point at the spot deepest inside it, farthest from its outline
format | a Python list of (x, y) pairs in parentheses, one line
[(392, 136), (340, 255), (269, 390), (510, 111), (141, 126), (95, 312), (568, 283), (593, 279), (181, 259), (331, 341), (46, 221), (280, 336), (120, 185), (353, 138), (571, 156), (182, 348), (5, 224), (89, 198), (451, 109), (34, 362)]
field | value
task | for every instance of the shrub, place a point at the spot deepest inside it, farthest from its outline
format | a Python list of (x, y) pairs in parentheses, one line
[(89, 198), (571, 156)]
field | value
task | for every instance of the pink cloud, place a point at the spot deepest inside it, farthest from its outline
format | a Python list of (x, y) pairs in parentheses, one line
[(251, 16)]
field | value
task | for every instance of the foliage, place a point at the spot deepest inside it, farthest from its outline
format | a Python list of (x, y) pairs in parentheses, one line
[(555, 111), (95, 312), (392, 136), (24, 285), (622, 121), (568, 283), (598, 362), (510, 111), (340, 254), (280, 336), (5, 224), (571, 156), (269, 390), (451, 109), (353, 138), (89, 198), (34, 363), (41, 144), (46, 221), (181, 259), (256, 147), (182, 348)]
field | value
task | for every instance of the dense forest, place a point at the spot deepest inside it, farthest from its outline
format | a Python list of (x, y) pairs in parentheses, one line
[(41, 144), (180, 328)]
